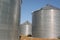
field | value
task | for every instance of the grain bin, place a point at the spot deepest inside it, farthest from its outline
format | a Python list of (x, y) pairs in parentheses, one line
[(9, 19), (26, 29), (46, 22)]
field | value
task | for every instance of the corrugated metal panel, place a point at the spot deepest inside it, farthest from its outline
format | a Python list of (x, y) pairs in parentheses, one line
[(26, 29), (9, 19), (46, 23)]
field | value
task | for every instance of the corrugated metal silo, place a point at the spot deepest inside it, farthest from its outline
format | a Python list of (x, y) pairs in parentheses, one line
[(9, 19), (26, 29), (46, 22)]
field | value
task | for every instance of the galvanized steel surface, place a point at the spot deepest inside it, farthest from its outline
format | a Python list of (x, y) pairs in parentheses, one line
[(26, 29), (9, 19), (46, 23)]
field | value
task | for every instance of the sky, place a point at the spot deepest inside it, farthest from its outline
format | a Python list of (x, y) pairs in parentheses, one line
[(29, 6)]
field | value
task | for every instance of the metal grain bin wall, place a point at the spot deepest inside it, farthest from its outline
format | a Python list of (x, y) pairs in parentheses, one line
[(26, 29), (9, 19), (46, 22)]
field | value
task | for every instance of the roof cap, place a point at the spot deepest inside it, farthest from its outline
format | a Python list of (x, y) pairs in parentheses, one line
[(26, 23), (48, 6)]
